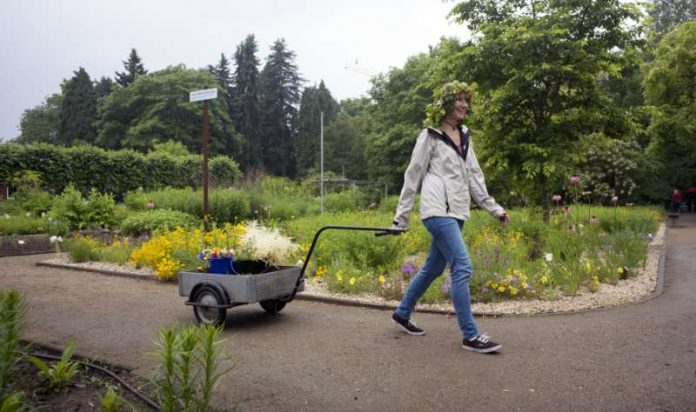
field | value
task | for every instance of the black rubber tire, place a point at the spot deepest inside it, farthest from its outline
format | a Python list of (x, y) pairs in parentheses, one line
[(272, 306), (209, 316)]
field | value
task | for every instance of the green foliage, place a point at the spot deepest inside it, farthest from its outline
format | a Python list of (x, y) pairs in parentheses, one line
[(112, 401), (190, 360), (315, 100), (23, 225), (669, 89), (116, 172), (96, 211), (82, 249), (225, 205), (78, 110), (170, 147), (60, 374), (668, 14), (155, 108), (118, 252), (13, 311), (134, 68), (244, 103), (14, 402), (279, 95), (345, 141), (40, 124), (538, 66), (151, 221)]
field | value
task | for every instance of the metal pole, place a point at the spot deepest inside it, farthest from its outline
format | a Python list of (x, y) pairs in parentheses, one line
[(205, 166), (321, 168)]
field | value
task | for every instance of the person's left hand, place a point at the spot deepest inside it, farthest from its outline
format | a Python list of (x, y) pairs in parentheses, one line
[(504, 218)]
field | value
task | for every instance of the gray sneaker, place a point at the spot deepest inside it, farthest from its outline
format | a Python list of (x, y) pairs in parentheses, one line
[(481, 344), (408, 325)]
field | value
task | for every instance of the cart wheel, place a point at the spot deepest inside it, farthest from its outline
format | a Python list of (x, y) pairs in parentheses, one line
[(272, 306), (209, 316)]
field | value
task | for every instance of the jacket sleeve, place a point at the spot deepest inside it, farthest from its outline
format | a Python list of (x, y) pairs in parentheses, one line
[(413, 177), (478, 190)]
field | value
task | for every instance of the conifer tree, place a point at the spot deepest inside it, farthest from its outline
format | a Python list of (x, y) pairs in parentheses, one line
[(279, 88), (221, 71), (104, 86), (315, 100), (78, 110), (245, 103), (134, 68)]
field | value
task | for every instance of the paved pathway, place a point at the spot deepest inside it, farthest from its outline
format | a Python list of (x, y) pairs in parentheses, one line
[(321, 357)]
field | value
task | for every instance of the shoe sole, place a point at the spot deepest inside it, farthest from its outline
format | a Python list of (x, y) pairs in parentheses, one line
[(408, 331), (486, 350)]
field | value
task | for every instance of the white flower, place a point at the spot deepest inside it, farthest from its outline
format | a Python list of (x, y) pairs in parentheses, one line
[(548, 257), (21, 242), (43, 214), (28, 214), (53, 239), (7, 216)]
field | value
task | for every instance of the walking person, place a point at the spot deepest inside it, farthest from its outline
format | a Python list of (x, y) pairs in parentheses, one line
[(676, 200), (444, 167)]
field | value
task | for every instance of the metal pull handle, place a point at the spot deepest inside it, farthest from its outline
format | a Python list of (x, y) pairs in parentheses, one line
[(393, 232)]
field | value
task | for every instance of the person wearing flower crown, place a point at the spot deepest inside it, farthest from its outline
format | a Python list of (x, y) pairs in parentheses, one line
[(444, 167)]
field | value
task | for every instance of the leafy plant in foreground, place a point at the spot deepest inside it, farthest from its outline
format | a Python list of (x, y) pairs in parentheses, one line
[(60, 374)]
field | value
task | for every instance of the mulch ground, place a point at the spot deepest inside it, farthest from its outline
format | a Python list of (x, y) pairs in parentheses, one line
[(84, 392)]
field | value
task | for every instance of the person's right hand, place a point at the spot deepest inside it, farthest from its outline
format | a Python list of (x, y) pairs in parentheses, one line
[(396, 228)]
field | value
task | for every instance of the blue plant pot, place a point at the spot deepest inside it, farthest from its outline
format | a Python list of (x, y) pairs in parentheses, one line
[(221, 266)]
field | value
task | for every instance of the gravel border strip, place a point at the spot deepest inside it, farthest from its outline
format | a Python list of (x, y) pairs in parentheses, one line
[(659, 244)]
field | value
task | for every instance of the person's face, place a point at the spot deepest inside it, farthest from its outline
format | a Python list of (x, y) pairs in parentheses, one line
[(461, 106)]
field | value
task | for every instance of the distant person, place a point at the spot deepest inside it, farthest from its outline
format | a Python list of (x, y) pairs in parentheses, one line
[(676, 200), (444, 167)]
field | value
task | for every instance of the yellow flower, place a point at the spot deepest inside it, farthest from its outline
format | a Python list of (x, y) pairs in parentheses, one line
[(544, 280), (339, 277), (501, 289), (381, 279), (588, 267), (352, 281), (513, 291), (620, 270)]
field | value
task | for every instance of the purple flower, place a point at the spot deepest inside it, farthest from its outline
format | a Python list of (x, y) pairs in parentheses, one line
[(484, 289), (574, 180)]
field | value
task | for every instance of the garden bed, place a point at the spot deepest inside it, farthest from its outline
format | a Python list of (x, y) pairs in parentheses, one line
[(14, 245), (633, 289), (84, 393)]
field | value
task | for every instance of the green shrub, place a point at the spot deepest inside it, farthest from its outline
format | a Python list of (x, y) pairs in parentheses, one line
[(97, 211), (23, 225), (117, 252), (82, 249), (159, 219)]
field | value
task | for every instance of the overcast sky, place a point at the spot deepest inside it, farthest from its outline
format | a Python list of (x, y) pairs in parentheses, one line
[(43, 41)]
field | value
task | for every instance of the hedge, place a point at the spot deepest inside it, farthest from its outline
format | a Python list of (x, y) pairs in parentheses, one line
[(110, 171)]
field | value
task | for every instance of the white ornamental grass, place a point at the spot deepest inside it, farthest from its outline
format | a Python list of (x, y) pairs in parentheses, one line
[(268, 243)]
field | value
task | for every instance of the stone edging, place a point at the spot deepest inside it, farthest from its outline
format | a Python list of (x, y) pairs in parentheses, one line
[(364, 303)]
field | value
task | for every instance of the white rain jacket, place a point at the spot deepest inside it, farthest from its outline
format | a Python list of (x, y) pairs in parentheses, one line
[(447, 180)]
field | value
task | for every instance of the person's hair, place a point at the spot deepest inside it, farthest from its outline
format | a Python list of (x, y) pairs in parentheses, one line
[(444, 100)]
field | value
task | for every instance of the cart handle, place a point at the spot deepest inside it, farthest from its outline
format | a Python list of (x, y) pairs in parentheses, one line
[(381, 231)]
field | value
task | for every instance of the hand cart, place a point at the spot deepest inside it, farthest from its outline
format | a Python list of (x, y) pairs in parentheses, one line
[(211, 294)]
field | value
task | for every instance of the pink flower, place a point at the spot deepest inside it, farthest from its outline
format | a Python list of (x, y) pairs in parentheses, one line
[(614, 199), (556, 198), (574, 180)]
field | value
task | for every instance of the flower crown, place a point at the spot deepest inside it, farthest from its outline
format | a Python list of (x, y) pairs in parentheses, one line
[(445, 97)]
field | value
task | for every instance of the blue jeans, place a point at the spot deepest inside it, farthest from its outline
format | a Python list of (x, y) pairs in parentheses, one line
[(447, 247)]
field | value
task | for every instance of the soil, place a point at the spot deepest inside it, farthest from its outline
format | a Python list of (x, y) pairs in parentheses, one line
[(84, 392)]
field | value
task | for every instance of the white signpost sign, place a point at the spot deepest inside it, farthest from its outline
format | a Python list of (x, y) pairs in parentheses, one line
[(200, 95)]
